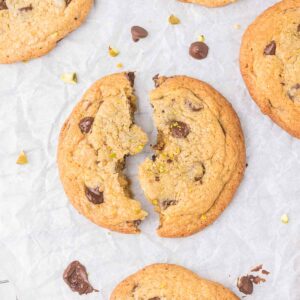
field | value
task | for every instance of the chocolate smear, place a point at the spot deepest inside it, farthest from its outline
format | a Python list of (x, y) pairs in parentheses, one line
[(130, 77), (94, 195), (76, 277), (138, 33), (245, 285), (85, 124)]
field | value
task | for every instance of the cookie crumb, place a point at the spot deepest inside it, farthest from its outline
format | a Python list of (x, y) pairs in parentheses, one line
[(173, 20), (22, 159), (120, 66), (69, 78), (237, 26), (284, 219), (113, 52)]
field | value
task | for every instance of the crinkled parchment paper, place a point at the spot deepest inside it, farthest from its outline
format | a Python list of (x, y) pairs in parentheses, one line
[(40, 232)]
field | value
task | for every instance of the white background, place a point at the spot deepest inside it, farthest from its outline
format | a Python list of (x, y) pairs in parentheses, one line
[(40, 233)]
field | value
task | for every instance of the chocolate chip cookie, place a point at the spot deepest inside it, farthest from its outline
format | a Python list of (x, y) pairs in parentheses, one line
[(169, 282), (210, 3), (93, 145), (31, 28), (199, 157), (270, 64)]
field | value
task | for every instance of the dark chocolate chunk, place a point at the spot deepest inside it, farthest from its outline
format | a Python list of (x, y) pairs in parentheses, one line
[(138, 33), (3, 5), (85, 124), (270, 49), (26, 8), (76, 277), (245, 285), (94, 195), (194, 106), (294, 92), (130, 77), (179, 129), (166, 203), (153, 158), (198, 50)]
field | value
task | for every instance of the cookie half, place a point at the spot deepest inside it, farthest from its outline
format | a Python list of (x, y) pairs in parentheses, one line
[(270, 64), (31, 28), (93, 145), (210, 3), (169, 282), (199, 158)]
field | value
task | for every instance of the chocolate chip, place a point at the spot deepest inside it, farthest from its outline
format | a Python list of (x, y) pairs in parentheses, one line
[(138, 33), (198, 50), (26, 8), (179, 129), (166, 203), (169, 161), (194, 106), (68, 2), (85, 124), (94, 195), (270, 49), (130, 77), (153, 158), (198, 178), (157, 178), (155, 79), (154, 298), (294, 92), (136, 223), (3, 5), (76, 277), (245, 285)]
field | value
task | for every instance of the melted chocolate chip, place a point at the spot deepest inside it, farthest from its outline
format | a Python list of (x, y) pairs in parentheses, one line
[(245, 285), (3, 5), (198, 50), (179, 129), (138, 33), (166, 203), (194, 106), (270, 49), (26, 8), (76, 277), (130, 77), (294, 92), (94, 195), (85, 124)]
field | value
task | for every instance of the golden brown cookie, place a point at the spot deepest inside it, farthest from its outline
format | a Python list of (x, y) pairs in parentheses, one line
[(31, 28), (93, 144), (210, 3), (169, 282), (199, 158), (270, 64)]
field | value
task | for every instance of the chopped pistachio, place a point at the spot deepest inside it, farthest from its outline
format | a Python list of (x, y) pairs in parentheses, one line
[(163, 285), (154, 202), (139, 148), (69, 78), (173, 20), (284, 219), (113, 52), (22, 159), (201, 38), (161, 168), (138, 211), (119, 65), (113, 155)]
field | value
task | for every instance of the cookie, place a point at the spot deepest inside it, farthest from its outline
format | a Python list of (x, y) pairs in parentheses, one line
[(270, 64), (210, 3), (169, 282), (31, 28), (93, 145), (199, 157)]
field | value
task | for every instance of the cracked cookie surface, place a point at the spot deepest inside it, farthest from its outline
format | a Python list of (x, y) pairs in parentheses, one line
[(169, 282), (270, 64), (199, 157), (93, 145), (31, 28), (210, 3)]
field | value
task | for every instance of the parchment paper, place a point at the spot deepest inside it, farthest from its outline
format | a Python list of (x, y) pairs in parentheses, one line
[(41, 233)]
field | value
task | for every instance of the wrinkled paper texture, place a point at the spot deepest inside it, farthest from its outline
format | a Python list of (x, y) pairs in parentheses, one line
[(41, 233)]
